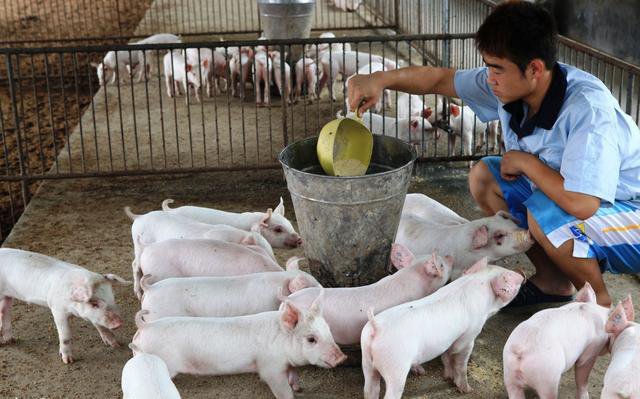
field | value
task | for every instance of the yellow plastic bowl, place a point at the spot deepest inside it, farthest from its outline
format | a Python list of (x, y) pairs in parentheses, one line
[(344, 147)]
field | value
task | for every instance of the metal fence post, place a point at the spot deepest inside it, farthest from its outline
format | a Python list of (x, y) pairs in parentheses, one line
[(283, 96), (396, 11), (16, 119), (446, 50)]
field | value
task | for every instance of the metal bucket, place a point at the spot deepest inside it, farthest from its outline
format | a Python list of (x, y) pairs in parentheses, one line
[(348, 223), (286, 19)]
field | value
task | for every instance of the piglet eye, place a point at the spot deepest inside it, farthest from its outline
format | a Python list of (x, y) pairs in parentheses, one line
[(311, 339), (278, 229)]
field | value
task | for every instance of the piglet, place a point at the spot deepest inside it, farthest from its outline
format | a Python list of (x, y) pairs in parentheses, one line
[(201, 257), (148, 57), (409, 130), (177, 71), (542, 348), (158, 226), (621, 379), (201, 62), (445, 323), (283, 87), (116, 65), (420, 205), (68, 290), (273, 225), (307, 74), (263, 77), (240, 67), (493, 237), (466, 125), (345, 308), (267, 343), (222, 296), (146, 376)]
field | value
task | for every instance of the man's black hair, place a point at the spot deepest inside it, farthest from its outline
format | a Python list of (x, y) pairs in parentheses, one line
[(519, 31)]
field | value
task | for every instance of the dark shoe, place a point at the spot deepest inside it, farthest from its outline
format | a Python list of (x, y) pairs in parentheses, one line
[(530, 294)]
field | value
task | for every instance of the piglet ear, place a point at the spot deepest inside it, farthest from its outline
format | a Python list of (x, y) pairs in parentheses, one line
[(280, 208), (431, 267), (316, 306), (297, 283), (189, 67), (401, 256), (455, 110), (249, 239), (266, 217), (290, 316), (205, 63), (293, 263), (414, 124), (480, 237), (617, 321), (586, 294), (506, 285), (426, 113), (627, 305), (81, 290), (478, 266)]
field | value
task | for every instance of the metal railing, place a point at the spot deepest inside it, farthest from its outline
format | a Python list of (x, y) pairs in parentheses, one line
[(32, 22)]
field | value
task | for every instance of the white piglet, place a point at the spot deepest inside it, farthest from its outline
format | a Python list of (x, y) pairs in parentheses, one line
[(67, 289), (274, 226), (542, 348), (116, 65), (408, 130), (148, 57), (201, 257), (345, 308), (267, 343), (621, 379), (263, 77), (465, 125), (202, 57), (283, 87), (427, 208), (222, 296), (177, 72), (146, 376), (306, 74), (495, 237), (445, 323)]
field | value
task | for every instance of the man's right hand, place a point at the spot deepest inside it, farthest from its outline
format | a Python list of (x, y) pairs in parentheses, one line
[(364, 91)]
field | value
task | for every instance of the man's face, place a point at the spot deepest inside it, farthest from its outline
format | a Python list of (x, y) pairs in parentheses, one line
[(506, 80)]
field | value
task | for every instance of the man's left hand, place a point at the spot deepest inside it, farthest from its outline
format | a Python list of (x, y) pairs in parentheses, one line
[(514, 164)]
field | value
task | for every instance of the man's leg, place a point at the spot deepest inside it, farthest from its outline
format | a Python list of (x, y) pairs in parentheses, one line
[(578, 270), (488, 195)]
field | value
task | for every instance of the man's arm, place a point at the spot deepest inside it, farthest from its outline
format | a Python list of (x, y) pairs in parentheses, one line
[(550, 182), (413, 80)]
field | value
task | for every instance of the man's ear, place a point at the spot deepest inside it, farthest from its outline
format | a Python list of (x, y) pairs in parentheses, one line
[(536, 67)]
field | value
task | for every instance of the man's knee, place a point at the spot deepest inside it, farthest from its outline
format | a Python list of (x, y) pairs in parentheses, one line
[(480, 180)]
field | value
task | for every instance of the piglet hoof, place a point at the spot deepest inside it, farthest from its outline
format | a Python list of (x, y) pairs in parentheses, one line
[(111, 341), (67, 358), (464, 388), (418, 370), (7, 339)]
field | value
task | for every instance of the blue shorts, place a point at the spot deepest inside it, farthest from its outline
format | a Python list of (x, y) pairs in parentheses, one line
[(612, 234)]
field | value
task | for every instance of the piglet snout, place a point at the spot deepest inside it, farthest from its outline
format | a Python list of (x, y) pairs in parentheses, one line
[(335, 357), (113, 321), (294, 241)]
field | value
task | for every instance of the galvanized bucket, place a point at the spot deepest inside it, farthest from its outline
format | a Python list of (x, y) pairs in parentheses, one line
[(286, 19), (348, 223)]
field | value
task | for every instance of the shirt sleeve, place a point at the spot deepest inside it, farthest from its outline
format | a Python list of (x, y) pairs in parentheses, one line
[(472, 87), (591, 159)]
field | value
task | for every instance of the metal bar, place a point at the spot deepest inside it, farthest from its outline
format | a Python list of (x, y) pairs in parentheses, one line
[(16, 120)]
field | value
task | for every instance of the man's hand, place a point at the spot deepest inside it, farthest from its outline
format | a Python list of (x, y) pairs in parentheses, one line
[(514, 164), (364, 91)]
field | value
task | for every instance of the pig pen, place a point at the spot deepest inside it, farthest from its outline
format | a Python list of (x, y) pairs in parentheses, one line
[(81, 220)]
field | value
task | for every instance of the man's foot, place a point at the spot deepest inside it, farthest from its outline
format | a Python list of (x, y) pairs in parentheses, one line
[(530, 294)]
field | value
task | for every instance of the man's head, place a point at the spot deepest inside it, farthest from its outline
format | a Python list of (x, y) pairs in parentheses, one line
[(518, 43)]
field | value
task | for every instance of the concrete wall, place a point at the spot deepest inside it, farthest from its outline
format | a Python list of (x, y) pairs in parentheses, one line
[(611, 26)]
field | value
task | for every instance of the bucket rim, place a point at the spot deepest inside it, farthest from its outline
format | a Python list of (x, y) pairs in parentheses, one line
[(414, 156)]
